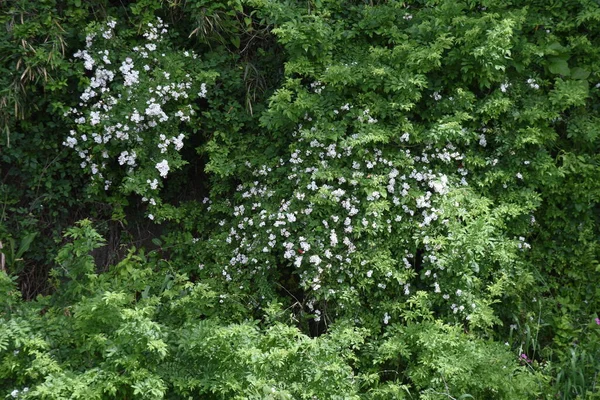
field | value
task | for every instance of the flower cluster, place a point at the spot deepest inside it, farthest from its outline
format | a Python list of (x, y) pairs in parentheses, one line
[(344, 215), (17, 393), (131, 110), (533, 84)]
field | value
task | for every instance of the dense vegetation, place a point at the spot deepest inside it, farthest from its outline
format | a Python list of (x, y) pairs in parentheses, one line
[(264, 199)]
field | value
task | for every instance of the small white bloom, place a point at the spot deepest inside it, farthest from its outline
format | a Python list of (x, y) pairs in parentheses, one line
[(315, 259), (202, 92), (333, 239), (163, 168), (153, 183), (482, 140)]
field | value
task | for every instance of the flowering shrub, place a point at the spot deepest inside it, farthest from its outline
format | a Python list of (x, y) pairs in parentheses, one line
[(358, 200), (145, 331), (349, 219), (135, 109), (367, 209)]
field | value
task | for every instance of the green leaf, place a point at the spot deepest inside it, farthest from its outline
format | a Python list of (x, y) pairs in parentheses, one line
[(556, 48), (559, 66), (580, 73), (235, 40), (25, 244)]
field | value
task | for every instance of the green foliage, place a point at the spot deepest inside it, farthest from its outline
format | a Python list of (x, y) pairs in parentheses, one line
[(143, 330), (358, 199), (442, 362)]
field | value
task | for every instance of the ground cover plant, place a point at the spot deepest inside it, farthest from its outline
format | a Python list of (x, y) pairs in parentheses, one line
[(313, 200)]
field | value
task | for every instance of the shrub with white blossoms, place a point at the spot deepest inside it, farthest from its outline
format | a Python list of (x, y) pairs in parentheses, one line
[(354, 220), (135, 109)]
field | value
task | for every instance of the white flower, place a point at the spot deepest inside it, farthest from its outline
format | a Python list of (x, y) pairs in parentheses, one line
[(153, 183), (482, 140), (440, 186), (88, 61), (136, 117), (95, 117), (202, 90), (533, 84), (312, 186), (317, 319), (123, 157), (89, 40), (154, 109), (163, 168), (70, 142)]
